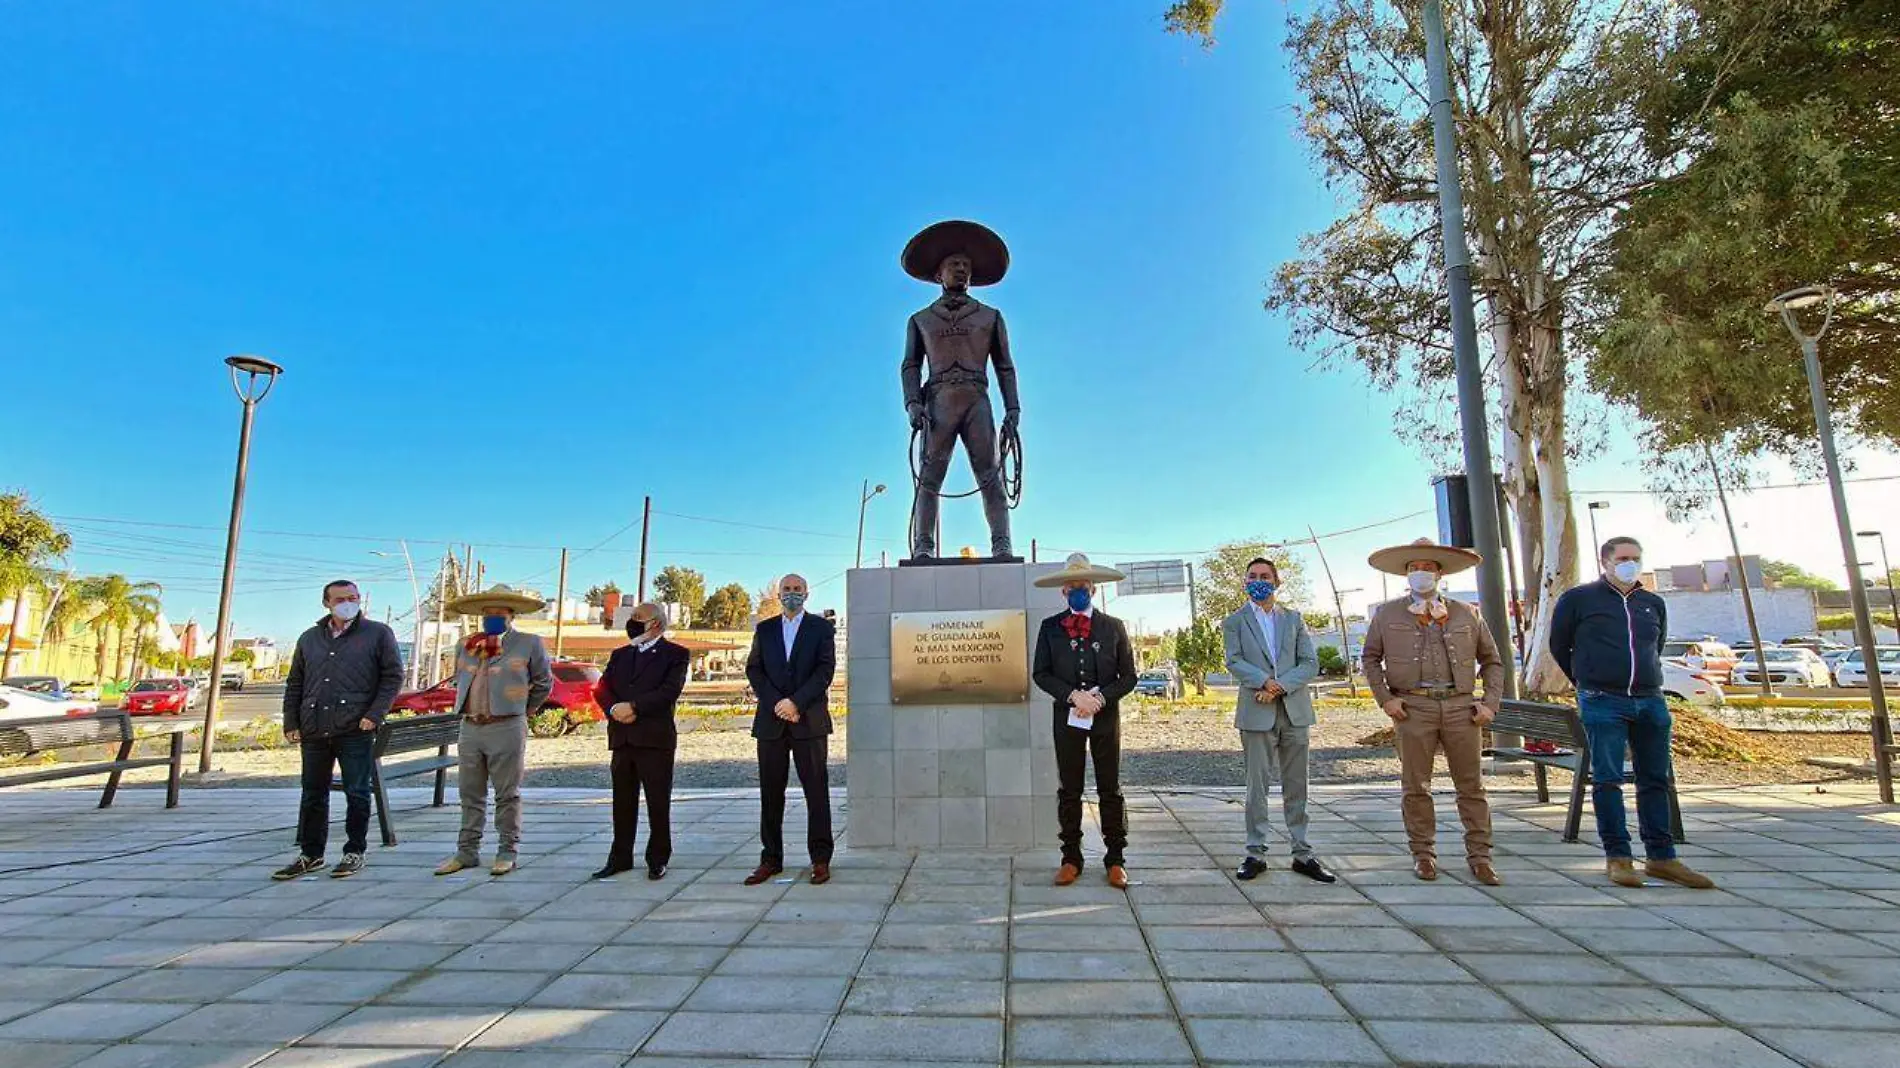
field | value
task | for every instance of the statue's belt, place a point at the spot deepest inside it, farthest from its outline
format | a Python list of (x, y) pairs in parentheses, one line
[(956, 378)]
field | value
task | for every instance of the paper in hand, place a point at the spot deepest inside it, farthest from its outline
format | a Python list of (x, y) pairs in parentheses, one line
[(1077, 719)]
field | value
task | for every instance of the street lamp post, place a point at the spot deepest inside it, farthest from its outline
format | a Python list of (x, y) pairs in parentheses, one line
[(864, 501), (1345, 637), (1788, 305), (249, 393), (1886, 569), (1474, 426), (1596, 546), (415, 592)]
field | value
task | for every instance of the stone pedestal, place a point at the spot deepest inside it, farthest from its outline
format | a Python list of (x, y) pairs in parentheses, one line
[(946, 776)]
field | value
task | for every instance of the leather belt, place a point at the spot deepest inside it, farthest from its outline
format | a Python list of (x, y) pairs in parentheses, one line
[(956, 378), (1435, 693), (483, 721)]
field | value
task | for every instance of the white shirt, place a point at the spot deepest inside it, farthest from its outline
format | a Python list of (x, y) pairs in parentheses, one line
[(647, 646), (1265, 619), (788, 626)]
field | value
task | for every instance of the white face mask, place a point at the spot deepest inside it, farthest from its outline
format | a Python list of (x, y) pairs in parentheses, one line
[(1626, 571), (346, 610), (1422, 582)]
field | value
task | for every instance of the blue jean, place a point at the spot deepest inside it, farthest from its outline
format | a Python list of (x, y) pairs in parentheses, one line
[(1615, 723), (353, 752)]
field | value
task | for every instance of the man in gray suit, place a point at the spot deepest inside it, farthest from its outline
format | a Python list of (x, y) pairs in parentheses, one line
[(1271, 657)]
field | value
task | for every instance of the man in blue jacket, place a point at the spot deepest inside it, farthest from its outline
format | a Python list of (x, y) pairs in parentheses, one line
[(1608, 638)]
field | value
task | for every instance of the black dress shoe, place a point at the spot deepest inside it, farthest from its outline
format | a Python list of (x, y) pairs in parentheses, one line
[(612, 870), (1251, 868), (656, 874), (1314, 870)]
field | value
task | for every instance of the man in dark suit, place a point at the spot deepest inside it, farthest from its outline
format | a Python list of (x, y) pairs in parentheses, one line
[(791, 663), (1084, 661), (639, 691)]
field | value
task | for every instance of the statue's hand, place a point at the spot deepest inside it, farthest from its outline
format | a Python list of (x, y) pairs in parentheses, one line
[(916, 416), (1010, 421)]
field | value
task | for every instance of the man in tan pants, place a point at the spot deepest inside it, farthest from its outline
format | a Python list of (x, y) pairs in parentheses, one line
[(1424, 657)]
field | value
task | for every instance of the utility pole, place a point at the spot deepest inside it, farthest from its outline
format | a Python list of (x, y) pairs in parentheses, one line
[(1032, 550), (646, 525), (560, 604), (468, 564), (1748, 599), (1473, 424), (444, 571), (1194, 601)]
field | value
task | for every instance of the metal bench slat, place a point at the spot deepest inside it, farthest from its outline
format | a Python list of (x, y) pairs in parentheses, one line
[(74, 771)]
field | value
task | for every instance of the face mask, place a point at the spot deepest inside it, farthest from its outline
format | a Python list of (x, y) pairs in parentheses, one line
[(1079, 599), (346, 610), (637, 629), (1422, 582), (1260, 589), (1626, 571), (793, 603), (493, 625)]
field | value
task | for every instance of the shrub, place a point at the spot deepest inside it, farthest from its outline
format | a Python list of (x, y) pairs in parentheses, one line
[(1330, 662)]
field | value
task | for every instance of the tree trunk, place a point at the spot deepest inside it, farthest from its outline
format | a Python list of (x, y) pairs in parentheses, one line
[(100, 666), (13, 631), (118, 657)]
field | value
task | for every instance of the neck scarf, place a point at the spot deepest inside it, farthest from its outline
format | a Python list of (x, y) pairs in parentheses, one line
[(1078, 626), (1431, 611), (484, 645)]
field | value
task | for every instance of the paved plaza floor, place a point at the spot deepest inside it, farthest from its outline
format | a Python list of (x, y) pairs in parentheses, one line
[(140, 937)]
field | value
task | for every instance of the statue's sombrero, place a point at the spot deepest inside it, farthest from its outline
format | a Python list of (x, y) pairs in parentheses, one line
[(989, 257)]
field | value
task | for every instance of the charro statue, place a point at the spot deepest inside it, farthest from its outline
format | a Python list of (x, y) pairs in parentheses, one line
[(957, 339)]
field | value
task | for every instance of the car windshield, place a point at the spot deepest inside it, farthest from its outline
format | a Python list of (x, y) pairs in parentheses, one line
[(577, 673), (157, 685), (1153, 676), (34, 683), (1783, 656), (1887, 656)]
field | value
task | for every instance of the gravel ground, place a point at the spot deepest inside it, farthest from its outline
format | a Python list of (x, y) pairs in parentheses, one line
[(1160, 747)]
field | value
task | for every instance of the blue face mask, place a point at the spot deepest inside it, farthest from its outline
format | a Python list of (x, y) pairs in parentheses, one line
[(1079, 599), (1260, 589), (493, 625)]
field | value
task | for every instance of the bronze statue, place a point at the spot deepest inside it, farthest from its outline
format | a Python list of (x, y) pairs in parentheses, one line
[(958, 338)]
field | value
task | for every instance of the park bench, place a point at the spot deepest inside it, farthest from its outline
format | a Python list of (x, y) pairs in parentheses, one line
[(23, 737), (410, 734), (1562, 725)]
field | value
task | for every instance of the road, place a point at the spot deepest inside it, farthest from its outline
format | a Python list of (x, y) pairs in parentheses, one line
[(258, 700)]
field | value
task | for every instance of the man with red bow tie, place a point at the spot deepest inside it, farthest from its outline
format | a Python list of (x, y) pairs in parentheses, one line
[(1084, 661)]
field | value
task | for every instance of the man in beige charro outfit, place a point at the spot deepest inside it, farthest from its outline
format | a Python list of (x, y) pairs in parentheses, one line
[(502, 677), (1424, 657)]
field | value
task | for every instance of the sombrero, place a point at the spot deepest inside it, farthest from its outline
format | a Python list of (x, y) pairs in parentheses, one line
[(989, 257), (1078, 569), (1451, 559), (471, 604)]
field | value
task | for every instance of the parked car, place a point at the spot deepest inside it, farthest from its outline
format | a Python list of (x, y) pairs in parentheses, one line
[(19, 703), (47, 684), (573, 692), (1785, 666), (1705, 655), (1683, 683), (162, 697), (1816, 642), (232, 681), (1832, 658), (1158, 683), (1852, 671)]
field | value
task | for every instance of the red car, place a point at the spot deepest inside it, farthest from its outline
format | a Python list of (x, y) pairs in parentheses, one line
[(159, 697), (573, 693)]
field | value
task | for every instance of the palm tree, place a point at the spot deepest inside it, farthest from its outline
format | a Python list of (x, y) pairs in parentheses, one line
[(28, 541), (144, 619), (116, 603)]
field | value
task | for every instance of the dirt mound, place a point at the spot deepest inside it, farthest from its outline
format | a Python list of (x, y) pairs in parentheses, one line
[(1383, 738), (1696, 735)]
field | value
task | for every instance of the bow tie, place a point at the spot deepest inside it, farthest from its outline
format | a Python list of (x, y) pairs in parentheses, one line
[(1078, 626), (1433, 610)]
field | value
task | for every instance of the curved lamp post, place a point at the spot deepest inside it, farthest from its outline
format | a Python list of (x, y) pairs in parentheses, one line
[(864, 501), (1790, 305), (415, 592), (259, 375)]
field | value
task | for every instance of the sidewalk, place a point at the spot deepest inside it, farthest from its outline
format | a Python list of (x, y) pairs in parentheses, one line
[(178, 951)]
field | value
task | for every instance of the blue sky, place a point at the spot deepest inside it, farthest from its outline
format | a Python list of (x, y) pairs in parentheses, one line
[(528, 263)]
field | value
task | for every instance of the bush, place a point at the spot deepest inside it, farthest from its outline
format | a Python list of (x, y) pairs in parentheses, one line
[(1330, 662)]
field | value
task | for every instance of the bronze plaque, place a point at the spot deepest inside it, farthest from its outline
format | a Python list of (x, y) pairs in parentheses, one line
[(959, 658)]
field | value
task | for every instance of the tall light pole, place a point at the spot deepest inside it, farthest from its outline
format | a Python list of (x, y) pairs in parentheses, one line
[(1345, 638), (1596, 545), (1893, 602), (1741, 564), (1789, 304), (864, 501), (1473, 425), (260, 375), (415, 593)]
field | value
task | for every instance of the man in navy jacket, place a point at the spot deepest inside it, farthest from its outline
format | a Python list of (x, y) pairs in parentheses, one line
[(794, 655), (1608, 638)]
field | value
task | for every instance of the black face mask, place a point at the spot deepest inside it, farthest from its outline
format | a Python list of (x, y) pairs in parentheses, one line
[(636, 630)]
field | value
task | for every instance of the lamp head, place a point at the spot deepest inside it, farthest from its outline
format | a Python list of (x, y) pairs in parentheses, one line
[(256, 365), (878, 490), (1796, 300)]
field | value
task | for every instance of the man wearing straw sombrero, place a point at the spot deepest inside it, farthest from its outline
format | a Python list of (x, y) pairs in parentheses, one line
[(958, 338), (1424, 657), (1084, 661), (502, 677)]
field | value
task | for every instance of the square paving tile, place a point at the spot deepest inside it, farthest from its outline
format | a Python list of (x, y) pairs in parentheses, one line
[(1262, 1000), (90, 1021), (1432, 1001), (1059, 1040), (388, 1026), (151, 1055), (1787, 1008), (737, 1034), (277, 1024), (1087, 998), (1628, 1046), (928, 997), (1225, 1040), (904, 1039), (1478, 1045), (1603, 1004), (571, 1029), (1835, 1049)]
